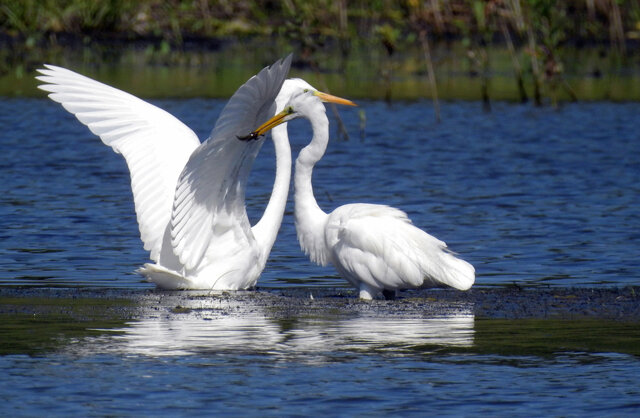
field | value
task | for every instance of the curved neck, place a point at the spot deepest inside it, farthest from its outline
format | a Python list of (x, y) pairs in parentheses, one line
[(266, 230), (309, 218), (307, 159)]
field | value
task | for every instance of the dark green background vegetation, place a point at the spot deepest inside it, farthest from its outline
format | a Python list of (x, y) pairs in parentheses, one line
[(532, 42), (315, 21)]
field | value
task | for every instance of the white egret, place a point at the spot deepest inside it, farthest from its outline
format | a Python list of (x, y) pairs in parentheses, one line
[(376, 248), (188, 196)]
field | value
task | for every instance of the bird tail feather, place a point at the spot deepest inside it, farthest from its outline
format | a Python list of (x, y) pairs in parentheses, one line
[(163, 277), (459, 274)]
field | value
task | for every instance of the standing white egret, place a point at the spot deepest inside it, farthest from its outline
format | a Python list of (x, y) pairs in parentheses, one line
[(189, 197), (376, 248)]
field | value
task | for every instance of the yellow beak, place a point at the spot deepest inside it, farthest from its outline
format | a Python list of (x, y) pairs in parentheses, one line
[(271, 123), (280, 117), (333, 99)]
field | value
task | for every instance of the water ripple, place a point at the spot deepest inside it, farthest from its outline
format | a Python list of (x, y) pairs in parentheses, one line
[(531, 195)]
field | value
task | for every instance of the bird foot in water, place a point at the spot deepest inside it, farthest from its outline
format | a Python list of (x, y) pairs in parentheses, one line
[(366, 292), (369, 293)]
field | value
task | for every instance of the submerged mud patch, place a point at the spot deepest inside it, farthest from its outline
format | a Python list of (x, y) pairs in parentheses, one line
[(511, 302), (307, 322)]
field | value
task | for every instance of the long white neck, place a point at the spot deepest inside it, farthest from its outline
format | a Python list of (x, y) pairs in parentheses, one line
[(266, 230), (309, 218)]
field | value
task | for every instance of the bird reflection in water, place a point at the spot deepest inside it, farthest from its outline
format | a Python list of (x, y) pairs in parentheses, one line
[(223, 328)]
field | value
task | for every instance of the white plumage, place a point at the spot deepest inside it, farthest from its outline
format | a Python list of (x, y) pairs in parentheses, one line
[(374, 247), (189, 197), (377, 247)]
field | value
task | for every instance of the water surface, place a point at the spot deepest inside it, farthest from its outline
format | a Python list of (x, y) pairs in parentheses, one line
[(532, 196), (140, 353), (590, 73), (527, 195)]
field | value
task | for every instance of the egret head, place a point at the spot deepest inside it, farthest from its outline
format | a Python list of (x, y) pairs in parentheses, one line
[(291, 87), (300, 97)]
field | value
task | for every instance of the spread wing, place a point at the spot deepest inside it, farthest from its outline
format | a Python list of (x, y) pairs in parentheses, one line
[(381, 246), (155, 145), (209, 198)]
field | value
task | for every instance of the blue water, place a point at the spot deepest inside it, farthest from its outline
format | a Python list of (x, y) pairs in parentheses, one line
[(449, 385), (527, 195)]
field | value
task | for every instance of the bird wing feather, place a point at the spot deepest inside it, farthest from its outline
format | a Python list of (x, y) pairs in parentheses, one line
[(155, 144), (209, 197), (379, 245)]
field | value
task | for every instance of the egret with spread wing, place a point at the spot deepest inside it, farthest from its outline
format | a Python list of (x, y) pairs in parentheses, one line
[(189, 196), (376, 248)]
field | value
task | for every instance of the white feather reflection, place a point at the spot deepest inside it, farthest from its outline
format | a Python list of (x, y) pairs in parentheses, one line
[(286, 336), (191, 335)]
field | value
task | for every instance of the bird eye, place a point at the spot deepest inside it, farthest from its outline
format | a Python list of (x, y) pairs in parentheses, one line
[(290, 110), (305, 91)]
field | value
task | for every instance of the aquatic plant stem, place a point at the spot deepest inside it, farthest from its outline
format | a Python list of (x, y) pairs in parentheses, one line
[(426, 50), (535, 67), (514, 59)]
